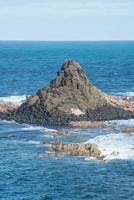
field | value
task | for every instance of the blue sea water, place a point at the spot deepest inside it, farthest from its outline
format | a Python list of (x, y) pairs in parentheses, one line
[(27, 171)]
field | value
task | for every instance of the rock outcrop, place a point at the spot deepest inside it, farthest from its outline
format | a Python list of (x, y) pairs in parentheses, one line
[(91, 150), (70, 97)]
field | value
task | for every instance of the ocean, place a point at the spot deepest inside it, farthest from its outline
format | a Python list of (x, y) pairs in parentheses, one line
[(27, 170)]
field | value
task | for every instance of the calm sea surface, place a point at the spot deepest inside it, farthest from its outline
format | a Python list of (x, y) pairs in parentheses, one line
[(27, 171)]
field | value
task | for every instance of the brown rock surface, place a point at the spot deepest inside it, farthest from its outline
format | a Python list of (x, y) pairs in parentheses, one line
[(129, 130), (87, 124), (91, 150), (6, 107), (60, 133)]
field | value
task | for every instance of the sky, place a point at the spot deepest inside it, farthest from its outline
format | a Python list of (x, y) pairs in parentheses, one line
[(66, 19)]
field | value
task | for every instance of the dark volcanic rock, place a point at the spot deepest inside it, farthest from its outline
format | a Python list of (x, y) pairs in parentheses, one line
[(69, 97)]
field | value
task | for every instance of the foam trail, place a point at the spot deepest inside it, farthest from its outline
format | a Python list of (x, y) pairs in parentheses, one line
[(18, 100), (26, 127)]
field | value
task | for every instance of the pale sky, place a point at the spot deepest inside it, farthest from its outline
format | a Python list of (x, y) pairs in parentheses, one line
[(66, 19)]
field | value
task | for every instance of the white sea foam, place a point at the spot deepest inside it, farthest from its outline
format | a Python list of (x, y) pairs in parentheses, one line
[(115, 146), (120, 123), (127, 94), (18, 100), (119, 145), (33, 142), (130, 94), (36, 128), (26, 127), (8, 122)]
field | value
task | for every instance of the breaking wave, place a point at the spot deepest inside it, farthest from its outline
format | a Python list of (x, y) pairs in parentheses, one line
[(115, 146), (18, 100)]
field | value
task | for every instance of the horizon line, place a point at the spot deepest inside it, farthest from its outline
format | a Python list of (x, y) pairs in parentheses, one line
[(28, 40)]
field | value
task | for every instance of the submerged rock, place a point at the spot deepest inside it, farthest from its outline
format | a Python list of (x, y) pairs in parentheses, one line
[(70, 97)]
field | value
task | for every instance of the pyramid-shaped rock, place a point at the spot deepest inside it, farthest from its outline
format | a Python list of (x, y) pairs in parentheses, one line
[(70, 97), (69, 90)]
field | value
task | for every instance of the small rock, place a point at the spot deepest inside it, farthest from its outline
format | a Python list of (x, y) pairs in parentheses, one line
[(60, 133)]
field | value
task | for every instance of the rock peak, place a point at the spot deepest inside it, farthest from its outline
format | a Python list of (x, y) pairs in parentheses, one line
[(71, 75), (70, 64)]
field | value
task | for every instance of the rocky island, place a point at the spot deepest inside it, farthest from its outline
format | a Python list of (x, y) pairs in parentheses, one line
[(69, 99)]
